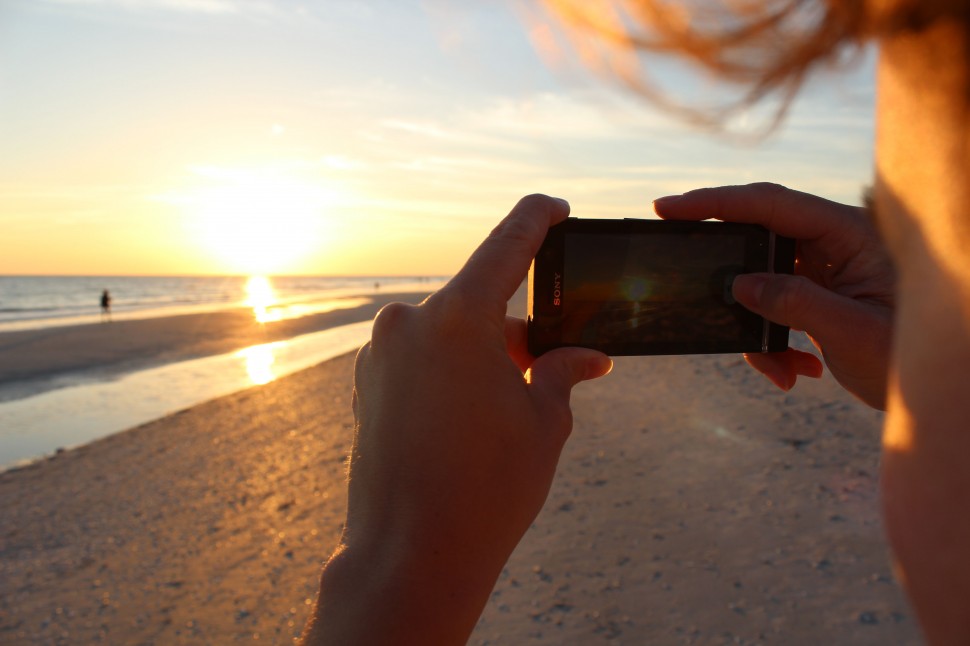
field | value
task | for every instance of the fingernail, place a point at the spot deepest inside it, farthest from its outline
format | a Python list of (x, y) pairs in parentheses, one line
[(667, 199), (748, 288), (562, 201), (602, 366), (598, 365)]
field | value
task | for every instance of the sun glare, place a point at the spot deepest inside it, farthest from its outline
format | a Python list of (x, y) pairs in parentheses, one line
[(261, 297), (257, 222), (259, 362)]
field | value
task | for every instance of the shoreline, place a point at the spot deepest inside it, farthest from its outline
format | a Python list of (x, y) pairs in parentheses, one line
[(62, 388), (40, 360), (70, 417), (148, 297)]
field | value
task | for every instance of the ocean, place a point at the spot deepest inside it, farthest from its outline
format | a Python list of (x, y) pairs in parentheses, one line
[(71, 409), (30, 302)]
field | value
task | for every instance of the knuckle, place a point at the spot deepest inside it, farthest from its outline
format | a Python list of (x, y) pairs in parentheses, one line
[(390, 321), (777, 198), (527, 215), (450, 311), (520, 224), (402, 328), (774, 193), (769, 188), (792, 297), (362, 356), (535, 201)]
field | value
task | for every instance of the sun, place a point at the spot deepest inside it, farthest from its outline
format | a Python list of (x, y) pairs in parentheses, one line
[(259, 222)]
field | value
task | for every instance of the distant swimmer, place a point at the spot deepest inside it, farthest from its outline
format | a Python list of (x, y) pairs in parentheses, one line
[(105, 305)]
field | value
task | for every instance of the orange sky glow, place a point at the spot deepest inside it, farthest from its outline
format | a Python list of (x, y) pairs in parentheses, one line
[(368, 138)]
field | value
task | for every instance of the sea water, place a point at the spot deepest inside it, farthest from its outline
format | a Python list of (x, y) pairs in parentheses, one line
[(84, 411), (30, 302), (69, 417)]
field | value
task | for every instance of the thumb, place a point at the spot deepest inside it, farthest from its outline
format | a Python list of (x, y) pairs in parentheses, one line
[(797, 302), (553, 375)]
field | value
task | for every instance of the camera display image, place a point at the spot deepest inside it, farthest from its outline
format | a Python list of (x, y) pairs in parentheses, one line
[(663, 290)]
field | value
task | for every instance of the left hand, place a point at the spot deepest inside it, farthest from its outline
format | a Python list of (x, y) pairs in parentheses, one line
[(459, 432)]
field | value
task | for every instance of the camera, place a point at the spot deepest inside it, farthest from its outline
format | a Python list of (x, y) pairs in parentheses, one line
[(643, 287)]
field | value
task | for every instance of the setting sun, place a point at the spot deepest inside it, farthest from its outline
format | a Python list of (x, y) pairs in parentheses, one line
[(257, 221)]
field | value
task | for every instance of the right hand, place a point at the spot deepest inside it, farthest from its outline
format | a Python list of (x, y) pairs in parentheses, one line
[(842, 293)]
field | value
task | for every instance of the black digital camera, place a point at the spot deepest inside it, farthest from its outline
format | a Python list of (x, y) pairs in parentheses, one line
[(640, 287)]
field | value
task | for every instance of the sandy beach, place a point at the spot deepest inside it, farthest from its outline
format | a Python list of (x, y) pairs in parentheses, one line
[(694, 504)]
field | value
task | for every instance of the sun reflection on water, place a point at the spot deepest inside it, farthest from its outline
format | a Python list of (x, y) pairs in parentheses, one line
[(261, 297), (259, 362)]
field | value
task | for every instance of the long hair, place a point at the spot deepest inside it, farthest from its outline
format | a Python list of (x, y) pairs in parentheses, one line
[(762, 48)]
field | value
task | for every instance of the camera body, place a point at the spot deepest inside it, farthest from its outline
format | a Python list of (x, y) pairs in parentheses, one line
[(642, 287)]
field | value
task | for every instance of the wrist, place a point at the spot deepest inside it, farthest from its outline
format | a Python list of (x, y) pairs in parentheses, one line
[(420, 594)]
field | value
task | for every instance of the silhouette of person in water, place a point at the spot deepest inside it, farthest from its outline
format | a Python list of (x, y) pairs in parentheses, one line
[(105, 305)]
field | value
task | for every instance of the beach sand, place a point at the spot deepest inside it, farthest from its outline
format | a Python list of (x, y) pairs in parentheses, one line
[(694, 504)]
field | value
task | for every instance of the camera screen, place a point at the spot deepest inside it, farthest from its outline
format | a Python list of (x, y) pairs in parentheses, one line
[(668, 290)]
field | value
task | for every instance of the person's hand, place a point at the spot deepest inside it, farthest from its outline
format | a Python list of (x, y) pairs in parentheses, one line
[(459, 433), (842, 294)]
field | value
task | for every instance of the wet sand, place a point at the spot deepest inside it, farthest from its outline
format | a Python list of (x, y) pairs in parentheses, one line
[(33, 361), (694, 504)]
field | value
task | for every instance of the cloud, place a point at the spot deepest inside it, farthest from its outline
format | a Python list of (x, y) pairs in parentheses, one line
[(563, 115), (212, 7), (446, 131)]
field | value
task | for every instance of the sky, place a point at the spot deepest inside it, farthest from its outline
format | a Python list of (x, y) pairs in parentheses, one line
[(346, 137)]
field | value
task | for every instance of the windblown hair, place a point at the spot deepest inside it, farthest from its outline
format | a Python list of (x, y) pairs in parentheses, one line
[(764, 48)]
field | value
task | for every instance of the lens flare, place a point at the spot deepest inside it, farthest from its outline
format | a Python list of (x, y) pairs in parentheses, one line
[(636, 289)]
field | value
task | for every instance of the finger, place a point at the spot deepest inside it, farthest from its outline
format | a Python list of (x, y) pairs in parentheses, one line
[(806, 364), (783, 368), (516, 342), (782, 210), (799, 303), (360, 363), (557, 371), (553, 375), (774, 367), (497, 268)]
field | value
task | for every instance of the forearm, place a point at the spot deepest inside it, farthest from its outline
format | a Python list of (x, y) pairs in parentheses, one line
[(380, 597)]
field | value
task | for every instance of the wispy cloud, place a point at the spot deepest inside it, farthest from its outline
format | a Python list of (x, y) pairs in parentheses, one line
[(184, 6), (563, 115)]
